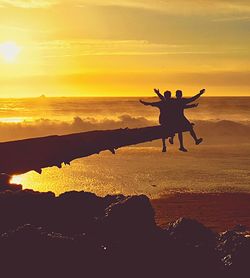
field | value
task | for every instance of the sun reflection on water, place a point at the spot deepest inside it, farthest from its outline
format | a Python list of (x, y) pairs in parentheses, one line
[(17, 179), (12, 120)]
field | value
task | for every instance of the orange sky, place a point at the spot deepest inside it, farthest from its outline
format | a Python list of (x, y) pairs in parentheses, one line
[(124, 47)]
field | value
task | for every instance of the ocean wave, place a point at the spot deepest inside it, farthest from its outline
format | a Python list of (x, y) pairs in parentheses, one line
[(215, 131)]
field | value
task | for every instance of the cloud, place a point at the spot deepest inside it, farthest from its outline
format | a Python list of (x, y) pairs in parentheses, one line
[(74, 48), (216, 78), (234, 18), (163, 6), (28, 3), (200, 79), (179, 6), (171, 22), (95, 47)]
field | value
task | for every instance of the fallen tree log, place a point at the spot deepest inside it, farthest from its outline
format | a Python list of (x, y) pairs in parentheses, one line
[(19, 157)]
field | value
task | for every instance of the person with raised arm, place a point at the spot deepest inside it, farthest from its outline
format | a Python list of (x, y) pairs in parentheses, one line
[(168, 114), (179, 120), (164, 105)]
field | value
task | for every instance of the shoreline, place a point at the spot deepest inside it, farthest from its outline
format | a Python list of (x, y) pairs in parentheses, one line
[(217, 211)]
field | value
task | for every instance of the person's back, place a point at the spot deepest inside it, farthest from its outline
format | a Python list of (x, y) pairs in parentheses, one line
[(166, 113), (166, 108)]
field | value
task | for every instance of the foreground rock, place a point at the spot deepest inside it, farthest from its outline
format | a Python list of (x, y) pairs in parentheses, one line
[(79, 234), (5, 183)]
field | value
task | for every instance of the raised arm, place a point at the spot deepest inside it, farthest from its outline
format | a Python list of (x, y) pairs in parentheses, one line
[(161, 97), (187, 106), (188, 100), (150, 103)]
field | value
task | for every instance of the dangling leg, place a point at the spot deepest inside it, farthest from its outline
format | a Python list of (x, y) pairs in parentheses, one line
[(180, 136), (193, 134), (171, 140), (164, 147)]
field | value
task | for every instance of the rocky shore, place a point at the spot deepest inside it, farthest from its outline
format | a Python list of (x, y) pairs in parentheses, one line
[(79, 234)]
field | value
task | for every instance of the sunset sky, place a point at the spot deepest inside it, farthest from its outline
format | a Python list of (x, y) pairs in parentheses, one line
[(124, 47)]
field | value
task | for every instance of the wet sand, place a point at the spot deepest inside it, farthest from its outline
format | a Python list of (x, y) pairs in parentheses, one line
[(219, 212)]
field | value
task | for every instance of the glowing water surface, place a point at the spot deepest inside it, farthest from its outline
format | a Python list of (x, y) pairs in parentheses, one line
[(221, 163), (146, 170)]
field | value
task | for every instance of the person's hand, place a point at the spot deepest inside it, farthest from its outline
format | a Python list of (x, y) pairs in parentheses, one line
[(141, 101), (157, 91), (202, 91), (196, 104)]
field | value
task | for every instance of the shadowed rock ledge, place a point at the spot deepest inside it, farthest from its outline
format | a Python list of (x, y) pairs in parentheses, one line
[(79, 234)]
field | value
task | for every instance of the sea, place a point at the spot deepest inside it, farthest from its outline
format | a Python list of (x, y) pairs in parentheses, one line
[(220, 164)]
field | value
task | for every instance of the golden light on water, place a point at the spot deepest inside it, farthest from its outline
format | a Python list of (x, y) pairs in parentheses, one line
[(9, 51), (12, 120), (16, 179)]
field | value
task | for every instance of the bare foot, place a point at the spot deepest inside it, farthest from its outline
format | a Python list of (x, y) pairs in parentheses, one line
[(198, 141), (171, 140), (182, 149), (164, 149)]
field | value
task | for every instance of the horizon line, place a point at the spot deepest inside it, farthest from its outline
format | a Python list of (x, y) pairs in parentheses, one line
[(107, 96)]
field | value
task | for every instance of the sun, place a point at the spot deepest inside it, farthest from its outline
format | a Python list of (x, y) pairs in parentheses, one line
[(9, 51)]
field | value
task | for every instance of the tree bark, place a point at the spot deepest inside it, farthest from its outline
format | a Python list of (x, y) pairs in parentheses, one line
[(19, 157)]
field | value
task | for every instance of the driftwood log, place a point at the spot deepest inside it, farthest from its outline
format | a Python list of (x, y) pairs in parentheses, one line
[(19, 157)]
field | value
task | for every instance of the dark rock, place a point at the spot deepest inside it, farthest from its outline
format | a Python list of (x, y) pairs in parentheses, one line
[(191, 232), (78, 211), (234, 250), (11, 187), (240, 228), (192, 249), (111, 199), (81, 234), (5, 183), (131, 216), (5, 179), (230, 241), (26, 233)]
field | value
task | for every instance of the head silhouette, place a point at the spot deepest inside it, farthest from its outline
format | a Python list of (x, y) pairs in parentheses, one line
[(178, 94), (167, 95)]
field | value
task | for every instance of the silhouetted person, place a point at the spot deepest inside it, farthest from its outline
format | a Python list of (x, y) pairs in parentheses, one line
[(178, 118), (183, 123), (168, 113), (164, 106)]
